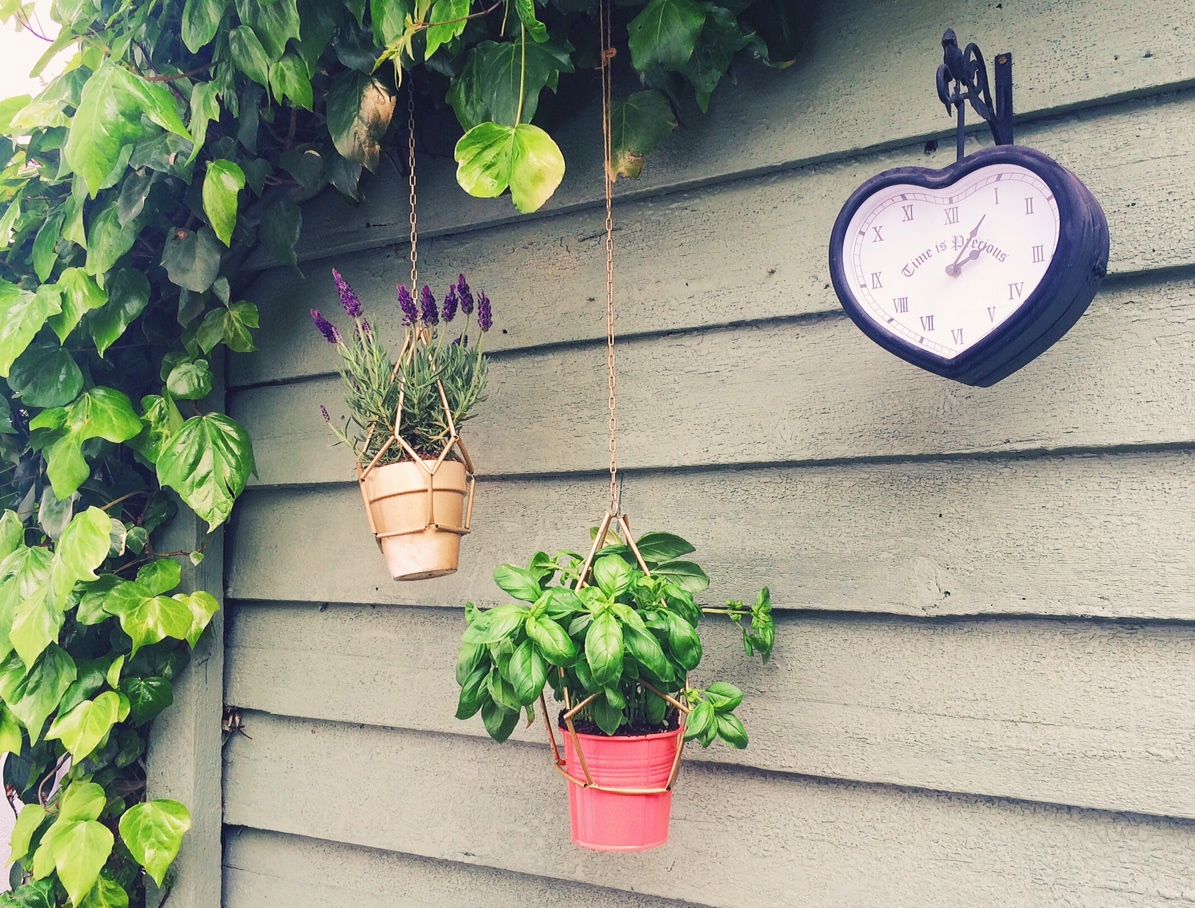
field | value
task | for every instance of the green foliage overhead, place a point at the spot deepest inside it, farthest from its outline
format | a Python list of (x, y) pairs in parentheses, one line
[(178, 137)]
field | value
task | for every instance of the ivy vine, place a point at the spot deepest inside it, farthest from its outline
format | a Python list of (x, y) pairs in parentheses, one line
[(179, 137)]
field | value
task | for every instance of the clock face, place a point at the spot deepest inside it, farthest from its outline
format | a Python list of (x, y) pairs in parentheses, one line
[(941, 269)]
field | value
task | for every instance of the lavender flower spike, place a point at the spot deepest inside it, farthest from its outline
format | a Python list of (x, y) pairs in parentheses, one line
[(348, 298), (410, 314), (466, 295), (448, 307), (428, 303), (325, 327), (485, 315), (324, 413)]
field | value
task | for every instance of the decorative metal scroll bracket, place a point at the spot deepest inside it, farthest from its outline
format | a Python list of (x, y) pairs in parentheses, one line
[(969, 74)]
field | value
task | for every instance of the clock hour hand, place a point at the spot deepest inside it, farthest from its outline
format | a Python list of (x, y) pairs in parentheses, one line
[(965, 256)]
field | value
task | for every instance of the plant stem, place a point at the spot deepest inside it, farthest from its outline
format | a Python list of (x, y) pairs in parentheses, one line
[(522, 79)]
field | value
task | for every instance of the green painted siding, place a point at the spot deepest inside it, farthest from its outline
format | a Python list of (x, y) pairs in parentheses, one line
[(986, 645)]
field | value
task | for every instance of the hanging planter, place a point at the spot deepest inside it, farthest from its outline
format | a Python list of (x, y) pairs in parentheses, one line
[(415, 474), (614, 635)]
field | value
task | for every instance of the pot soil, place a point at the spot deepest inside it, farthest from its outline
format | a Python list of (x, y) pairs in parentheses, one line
[(418, 516), (632, 813)]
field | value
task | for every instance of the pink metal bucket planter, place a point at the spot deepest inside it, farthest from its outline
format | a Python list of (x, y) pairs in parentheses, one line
[(627, 802)]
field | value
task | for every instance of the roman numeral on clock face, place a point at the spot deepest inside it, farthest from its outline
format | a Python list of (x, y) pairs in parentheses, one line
[(956, 335), (901, 304), (927, 323), (879, 237), (875, 280), (1029, 205), (952, 215), (1039, 253), (991, 313), (908, 212), (1014, 290)]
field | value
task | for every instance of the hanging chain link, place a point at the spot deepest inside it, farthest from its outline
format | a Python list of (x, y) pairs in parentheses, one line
[(607, 149), (411, 172)]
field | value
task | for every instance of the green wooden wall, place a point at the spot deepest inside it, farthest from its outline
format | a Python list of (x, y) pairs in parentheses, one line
[(985, 663)]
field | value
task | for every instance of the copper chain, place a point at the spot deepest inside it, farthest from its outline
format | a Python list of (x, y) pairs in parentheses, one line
[(411, 171), (607, 149)]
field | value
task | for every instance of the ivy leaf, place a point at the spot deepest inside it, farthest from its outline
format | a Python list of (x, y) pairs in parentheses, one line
[(162, 421), (22, 574), (190, 380), (447, 18), (36, 624), (359, 111), (83, 728), (525, 9), (316, 28), (161, 575), (192, 258), (80, 852), (153, 832), (98, 413), (665, 34), (128, 295), (208, 462), (45, 245), (109, 239), (205, 107), (22, 315), (248, 55), (45, 375), (720, 40), (274, 22), (107, 893), (777, 24), (145, 617), (12, 533), (389, 19), (79, 294), (108, 118), (638, 125), (229, 325), (147, 697), (84, 544), (33, 696), (201, 21), (280, 228), (289, 79), (488, 87), (492, 158), (203, 607), (221, 186), (28, 821)]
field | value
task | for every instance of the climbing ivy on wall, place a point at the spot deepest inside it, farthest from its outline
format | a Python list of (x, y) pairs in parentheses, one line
[(179, 138)]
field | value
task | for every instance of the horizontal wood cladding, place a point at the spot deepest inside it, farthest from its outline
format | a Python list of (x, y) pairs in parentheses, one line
[(863, 80), (1081, 713), (739, 839), (787, 392), (264, 868), (1081, 536), (751, 249)]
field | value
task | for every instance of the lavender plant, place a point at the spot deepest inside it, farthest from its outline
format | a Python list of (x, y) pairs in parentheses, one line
[(442, 342)]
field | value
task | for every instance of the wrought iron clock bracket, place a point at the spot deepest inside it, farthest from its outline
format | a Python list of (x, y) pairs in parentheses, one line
[(963, 77)]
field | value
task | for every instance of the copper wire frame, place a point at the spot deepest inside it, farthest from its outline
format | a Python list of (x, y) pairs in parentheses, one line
[(571, 710), (422, 336)]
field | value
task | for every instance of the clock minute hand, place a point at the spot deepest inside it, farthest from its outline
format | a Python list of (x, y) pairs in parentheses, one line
[(970, 255)]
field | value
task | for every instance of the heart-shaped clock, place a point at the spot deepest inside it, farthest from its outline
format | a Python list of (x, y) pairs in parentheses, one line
[(974, 270)]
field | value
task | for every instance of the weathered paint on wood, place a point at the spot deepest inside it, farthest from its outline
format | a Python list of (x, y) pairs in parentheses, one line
[(262, 868), (673, 270), (864, 80), (1081, 713), (1120, 377), (738, 838), (1078, 536)]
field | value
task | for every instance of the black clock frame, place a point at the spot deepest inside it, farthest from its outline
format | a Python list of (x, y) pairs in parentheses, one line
[(1066, 289)]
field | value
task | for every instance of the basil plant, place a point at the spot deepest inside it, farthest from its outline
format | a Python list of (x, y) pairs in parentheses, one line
[(627, 635)]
